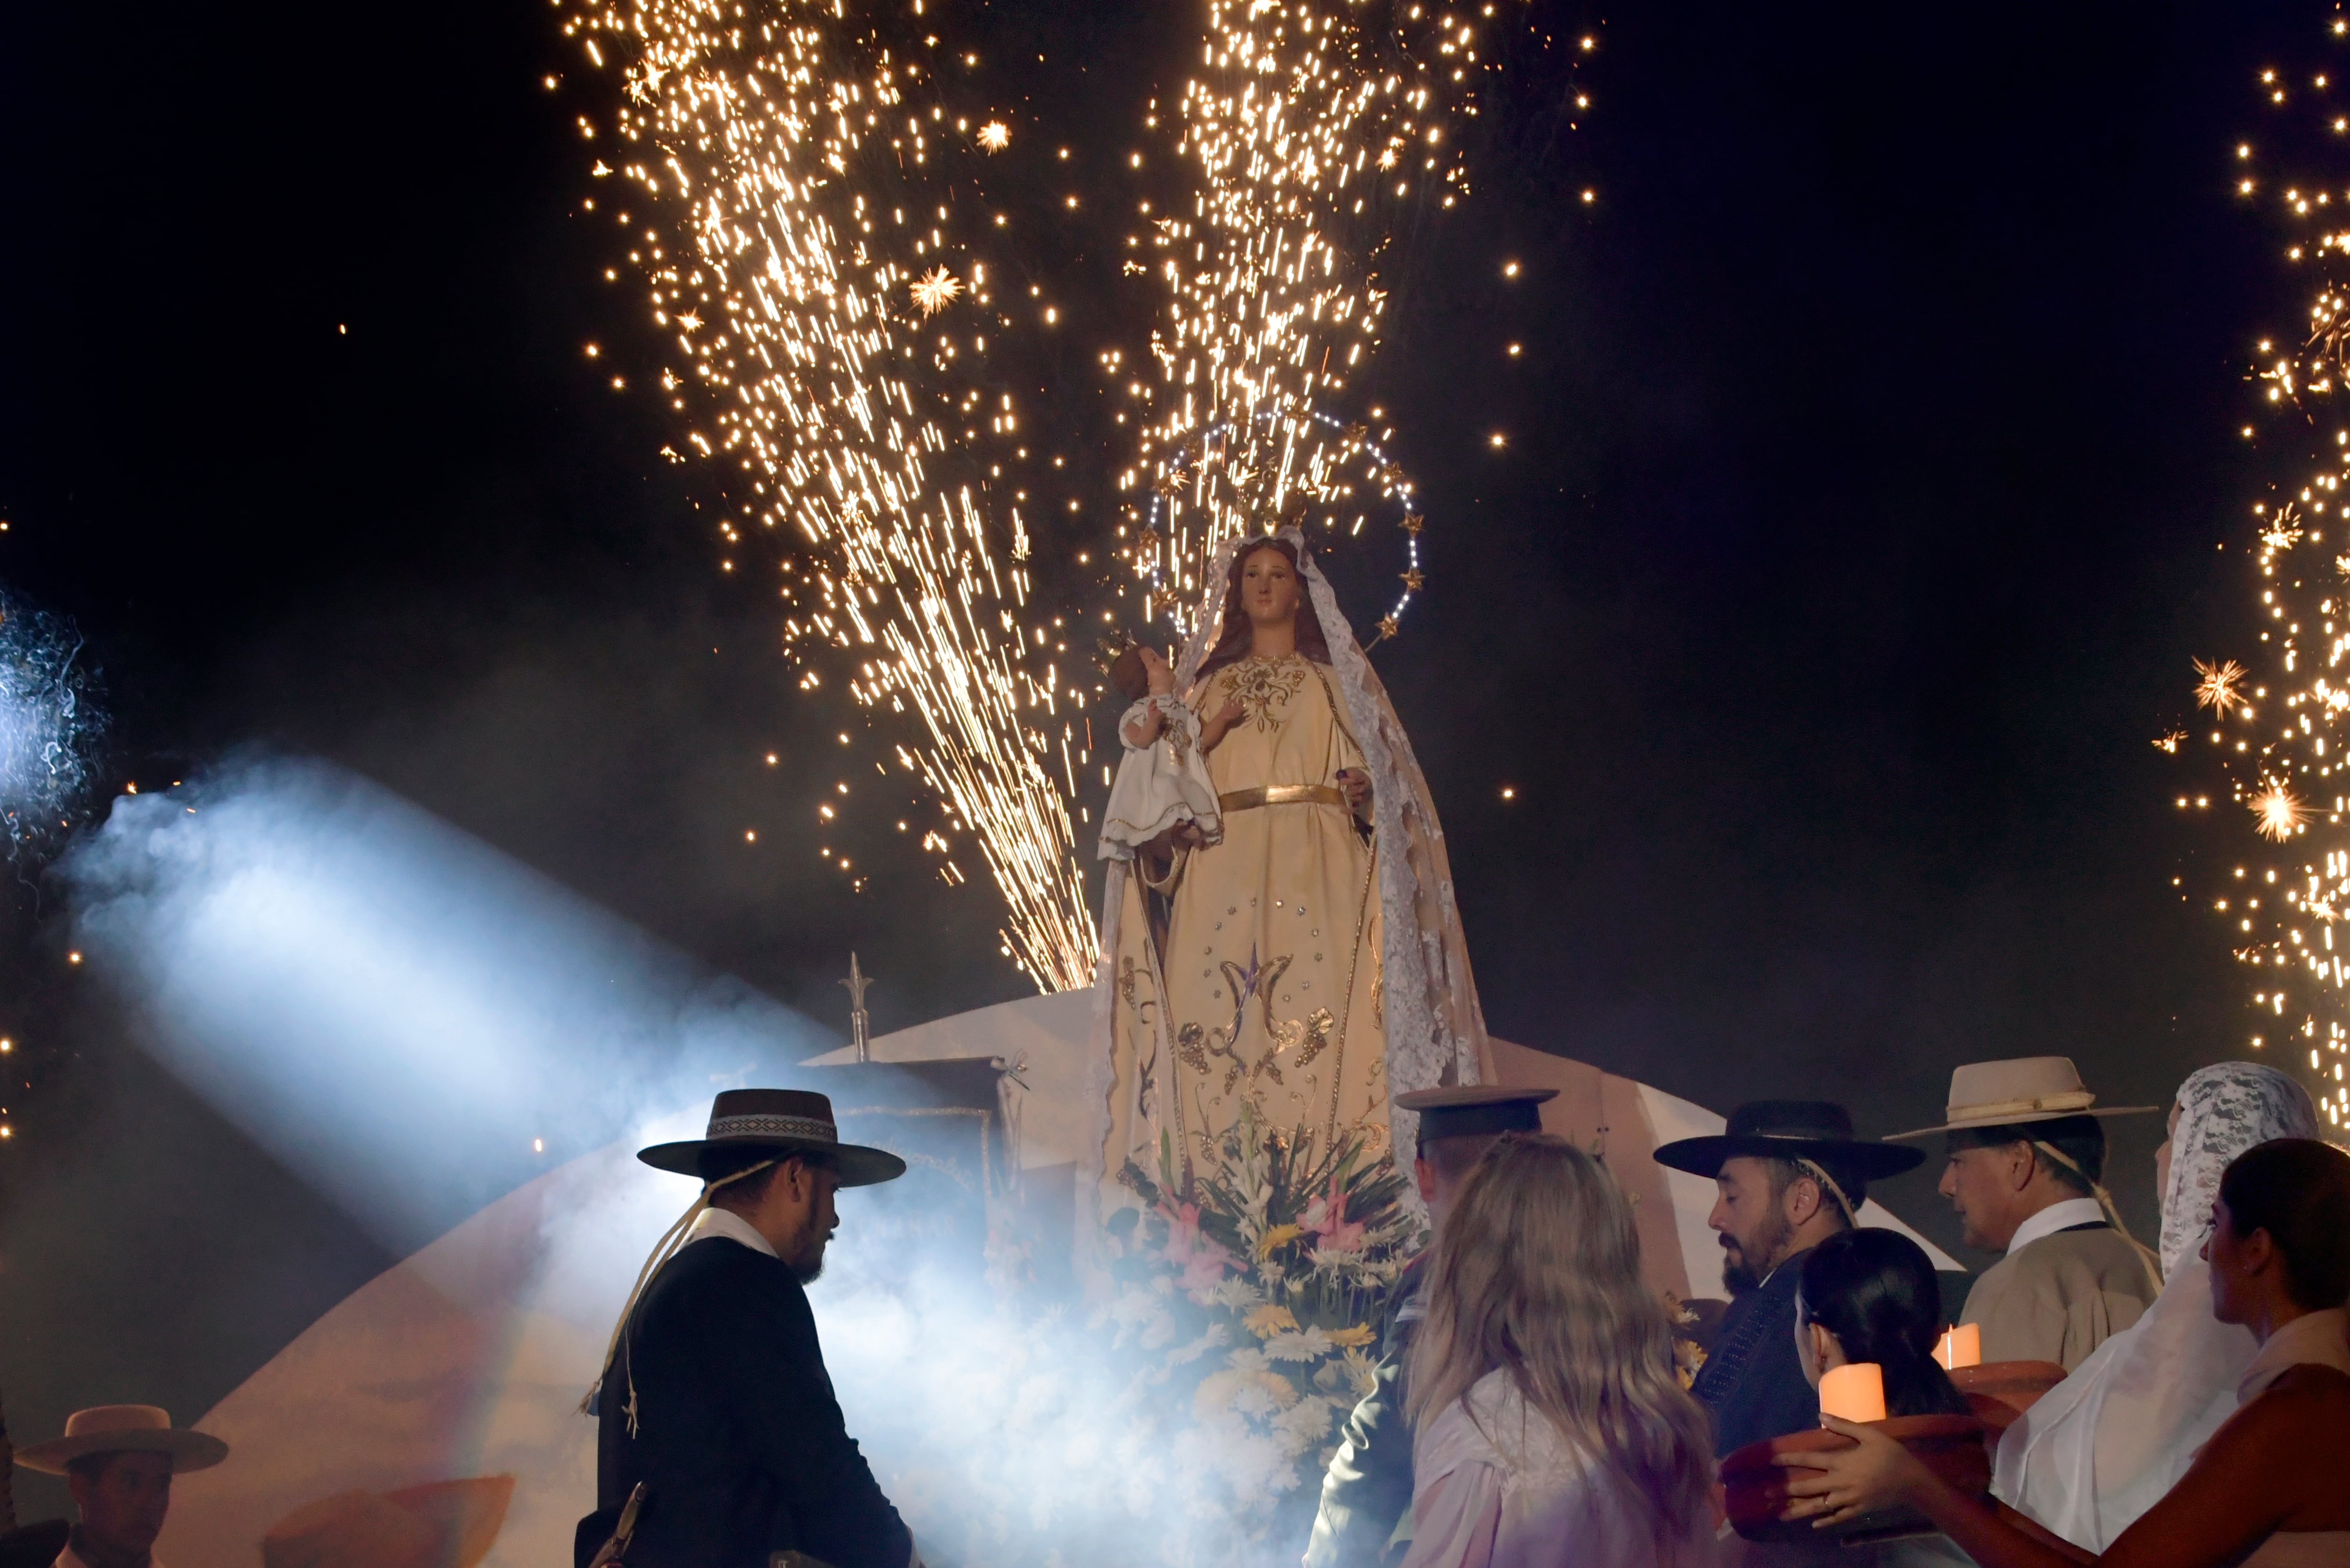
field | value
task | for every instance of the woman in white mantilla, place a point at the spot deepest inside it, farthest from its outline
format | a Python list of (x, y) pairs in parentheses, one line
[(1310, 964)]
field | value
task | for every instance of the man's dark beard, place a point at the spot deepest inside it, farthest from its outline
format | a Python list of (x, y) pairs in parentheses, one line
[(807, 1273), (1738, 1272)]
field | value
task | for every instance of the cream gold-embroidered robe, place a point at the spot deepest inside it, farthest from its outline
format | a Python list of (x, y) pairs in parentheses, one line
[(1256, 977)]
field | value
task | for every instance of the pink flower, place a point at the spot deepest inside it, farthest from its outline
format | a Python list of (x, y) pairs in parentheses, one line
[(1200, 1262), (1326, 1218)]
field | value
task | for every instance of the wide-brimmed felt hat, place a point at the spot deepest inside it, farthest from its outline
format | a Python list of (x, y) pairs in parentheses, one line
[(1816, 1130), (786, 1121), (123, 1428), (2017, 1092), (1475, 1109)]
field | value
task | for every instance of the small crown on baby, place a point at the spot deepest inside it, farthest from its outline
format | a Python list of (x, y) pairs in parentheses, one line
[(1112, 648)]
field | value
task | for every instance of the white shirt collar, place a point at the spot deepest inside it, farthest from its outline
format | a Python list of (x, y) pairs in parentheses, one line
[(725, 1222), (2316, 1338), (2056, 1217)]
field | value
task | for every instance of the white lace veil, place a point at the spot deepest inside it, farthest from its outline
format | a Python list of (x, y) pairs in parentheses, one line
[(2223, 1110)]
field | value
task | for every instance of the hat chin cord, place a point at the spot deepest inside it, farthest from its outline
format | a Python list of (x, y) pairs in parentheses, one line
[(671, 1239), (2145, 1257)]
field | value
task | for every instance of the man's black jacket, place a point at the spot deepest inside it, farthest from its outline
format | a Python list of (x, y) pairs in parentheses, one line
[(739, 1439), (1751, 1382)]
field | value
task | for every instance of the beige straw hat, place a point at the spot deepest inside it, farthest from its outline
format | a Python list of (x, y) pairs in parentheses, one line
[(123, 1428), (2018, 1091)]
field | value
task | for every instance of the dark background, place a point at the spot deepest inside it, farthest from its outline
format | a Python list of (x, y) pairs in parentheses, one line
[(1872, 440)]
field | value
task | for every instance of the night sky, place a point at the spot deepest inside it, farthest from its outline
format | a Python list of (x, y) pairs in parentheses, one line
[(1865, 464)]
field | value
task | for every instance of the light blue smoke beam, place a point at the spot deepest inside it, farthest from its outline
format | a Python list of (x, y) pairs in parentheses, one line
[(391, 1008)]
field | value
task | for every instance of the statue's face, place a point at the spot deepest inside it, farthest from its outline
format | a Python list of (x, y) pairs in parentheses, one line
[(1269, 586)]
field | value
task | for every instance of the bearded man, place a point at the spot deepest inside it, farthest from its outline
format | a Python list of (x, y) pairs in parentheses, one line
[(720, 1443), (1788, 1175)]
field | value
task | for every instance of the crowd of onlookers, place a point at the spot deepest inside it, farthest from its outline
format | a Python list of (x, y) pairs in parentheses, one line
[(2186, 1406), (1537, 1405)]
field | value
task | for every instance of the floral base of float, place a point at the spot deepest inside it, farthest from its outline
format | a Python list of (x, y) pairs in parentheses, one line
[(1250, 1303)]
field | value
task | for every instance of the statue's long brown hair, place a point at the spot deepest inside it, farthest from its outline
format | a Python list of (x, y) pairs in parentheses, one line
[(1232, 637), (1538, 1274)]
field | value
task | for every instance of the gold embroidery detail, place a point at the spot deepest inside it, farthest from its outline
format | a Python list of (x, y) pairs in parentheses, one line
[(1260, 685)]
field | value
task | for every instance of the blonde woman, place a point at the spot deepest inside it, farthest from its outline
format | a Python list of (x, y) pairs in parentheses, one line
[(1550, 1426)]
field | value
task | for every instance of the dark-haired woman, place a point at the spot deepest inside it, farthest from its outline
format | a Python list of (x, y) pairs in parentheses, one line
[(1870, 1296), (2269, 1489)]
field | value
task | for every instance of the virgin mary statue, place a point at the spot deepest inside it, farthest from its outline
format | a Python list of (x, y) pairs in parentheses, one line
[(1309, 961)]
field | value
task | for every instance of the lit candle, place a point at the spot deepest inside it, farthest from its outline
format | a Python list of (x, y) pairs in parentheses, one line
[(1960, 1346), (1853, 1393)]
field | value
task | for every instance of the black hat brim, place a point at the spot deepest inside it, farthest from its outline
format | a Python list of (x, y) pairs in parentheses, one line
[(854, 1164), (1868, 1161)]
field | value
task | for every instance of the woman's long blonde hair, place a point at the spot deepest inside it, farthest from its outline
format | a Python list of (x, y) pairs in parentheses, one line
[(1538, 1274)]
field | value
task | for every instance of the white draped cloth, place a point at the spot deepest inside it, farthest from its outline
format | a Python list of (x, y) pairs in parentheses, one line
[(2102, 1446), (1495, 1485)]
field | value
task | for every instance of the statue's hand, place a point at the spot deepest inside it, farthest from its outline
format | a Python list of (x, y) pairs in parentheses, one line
[(1355, 785)]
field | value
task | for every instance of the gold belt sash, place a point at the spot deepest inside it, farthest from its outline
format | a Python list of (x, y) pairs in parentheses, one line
[(1282, 794)]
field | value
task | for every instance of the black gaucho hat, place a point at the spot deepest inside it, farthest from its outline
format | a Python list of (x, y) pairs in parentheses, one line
[(1816, 1130), (784, 1121), (1475, 1110)]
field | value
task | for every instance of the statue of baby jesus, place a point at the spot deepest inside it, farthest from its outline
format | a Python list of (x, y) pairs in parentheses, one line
[(1162, 790)]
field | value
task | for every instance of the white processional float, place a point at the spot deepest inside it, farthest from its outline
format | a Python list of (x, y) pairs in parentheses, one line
[(433, 1413)]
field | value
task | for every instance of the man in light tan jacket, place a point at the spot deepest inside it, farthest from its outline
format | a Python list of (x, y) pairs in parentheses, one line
[(2027, 1155)]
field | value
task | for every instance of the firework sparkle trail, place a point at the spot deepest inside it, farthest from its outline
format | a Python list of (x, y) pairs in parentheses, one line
[(813, 207), (2277, 723)]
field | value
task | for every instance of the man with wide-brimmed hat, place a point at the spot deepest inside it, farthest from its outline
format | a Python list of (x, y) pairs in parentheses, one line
[(1367, 1490), (2026, 1149), (717, 1419), (119, 1460), (1788, 1175)]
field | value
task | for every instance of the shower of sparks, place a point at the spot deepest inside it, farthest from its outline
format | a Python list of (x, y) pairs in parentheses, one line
[(2218, 688), (1302, 156), (802, 195), (2279, 721), (799, 168)]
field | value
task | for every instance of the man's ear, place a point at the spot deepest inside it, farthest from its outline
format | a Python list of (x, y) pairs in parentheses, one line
[(2023, 1165), (1801, 1200), (1423, 1176)]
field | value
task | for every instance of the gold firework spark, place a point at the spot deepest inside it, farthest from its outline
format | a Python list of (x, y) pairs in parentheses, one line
[(2218, 688), (935, 289), (2280, 816), (995, 136)]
